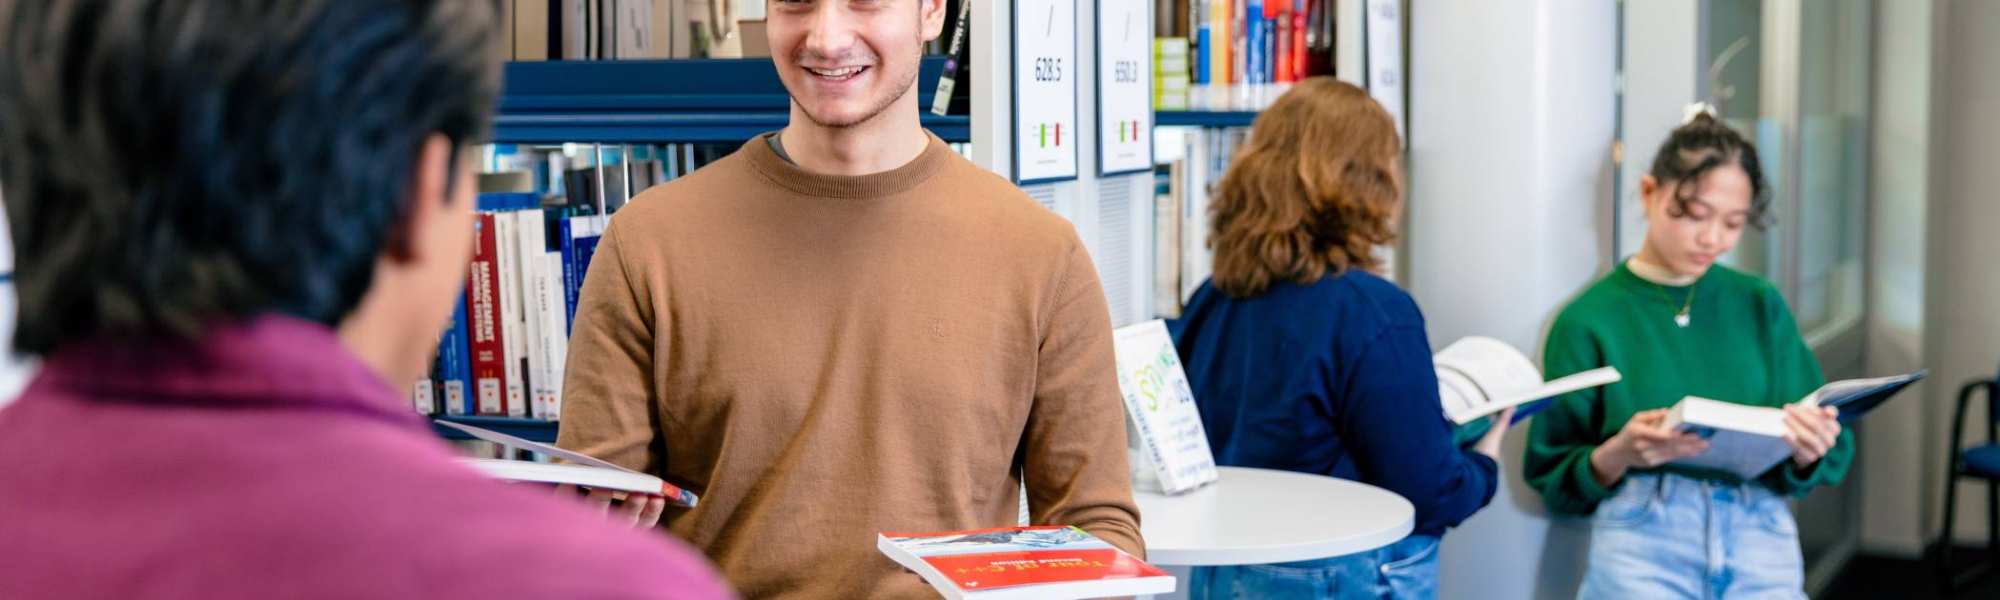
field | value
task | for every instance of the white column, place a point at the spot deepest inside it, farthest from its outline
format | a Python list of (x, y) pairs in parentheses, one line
[(1511, 128), (1893, 461), (1666, 72)]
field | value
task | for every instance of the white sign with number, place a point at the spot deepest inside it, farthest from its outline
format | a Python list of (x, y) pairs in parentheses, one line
[(1124, 86), (1044, 90)]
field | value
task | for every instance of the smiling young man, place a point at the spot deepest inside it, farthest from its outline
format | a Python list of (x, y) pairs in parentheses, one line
[(845, 328)]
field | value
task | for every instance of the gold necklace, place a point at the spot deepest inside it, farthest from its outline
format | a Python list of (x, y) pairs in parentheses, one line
[(1686, 314)]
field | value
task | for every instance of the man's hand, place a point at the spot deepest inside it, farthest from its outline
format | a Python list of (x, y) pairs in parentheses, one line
[(637, 511)]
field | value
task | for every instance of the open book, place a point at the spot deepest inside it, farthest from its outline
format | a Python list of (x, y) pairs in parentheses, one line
[(582, 470), (1748, 440), (1479, 376), (1041, 562)]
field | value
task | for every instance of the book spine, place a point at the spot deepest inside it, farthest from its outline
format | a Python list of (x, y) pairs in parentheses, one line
[(555, 345), (487, 346), (955, 57), (1298, 56), (514, 403), (457, 372), (530, 246), (531, 29), (1239, 39), (1222, 43), (572, 276), (1200, 44), (1254, 37)]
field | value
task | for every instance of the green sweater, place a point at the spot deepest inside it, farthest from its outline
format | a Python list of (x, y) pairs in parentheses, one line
[(1741, 345)]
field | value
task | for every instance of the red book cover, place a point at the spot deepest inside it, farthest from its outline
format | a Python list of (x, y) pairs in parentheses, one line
[(1056, 559), (1281, 57), (1300, 63), (482, 311)]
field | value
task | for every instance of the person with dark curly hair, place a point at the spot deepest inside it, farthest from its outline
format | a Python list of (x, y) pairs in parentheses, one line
[(1678, 324), (1303, 359), (238, 229)]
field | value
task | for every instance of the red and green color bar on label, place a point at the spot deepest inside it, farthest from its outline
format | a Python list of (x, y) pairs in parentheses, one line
[(1045, 129), (1128, 131)]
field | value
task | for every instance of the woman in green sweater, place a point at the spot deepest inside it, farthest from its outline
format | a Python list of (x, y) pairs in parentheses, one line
[(1676, 324)]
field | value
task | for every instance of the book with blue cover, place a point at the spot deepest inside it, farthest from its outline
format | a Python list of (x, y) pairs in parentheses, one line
[(1747, 441)]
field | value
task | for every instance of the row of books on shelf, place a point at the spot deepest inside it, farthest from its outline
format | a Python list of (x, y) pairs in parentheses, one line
[(1238, 54), (538, 30), (504, 352), (542, 211), (1182, 186), (627, 29)]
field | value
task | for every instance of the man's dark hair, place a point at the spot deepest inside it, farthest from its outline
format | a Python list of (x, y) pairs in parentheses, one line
[(169, 163)]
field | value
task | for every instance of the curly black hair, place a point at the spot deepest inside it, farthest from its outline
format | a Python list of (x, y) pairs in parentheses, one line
[(1701, 145), (171, 163)]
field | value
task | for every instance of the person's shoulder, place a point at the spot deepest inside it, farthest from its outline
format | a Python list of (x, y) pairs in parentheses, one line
[(452, 524), (705, 187), (1604, 297), (1382, 299), (1730, 279)]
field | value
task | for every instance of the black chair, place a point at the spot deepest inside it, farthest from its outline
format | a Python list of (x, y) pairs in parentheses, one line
[(1981, 462)]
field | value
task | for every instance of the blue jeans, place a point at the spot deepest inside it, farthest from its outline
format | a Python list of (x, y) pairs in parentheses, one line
[(1405, 569), (1671, 537)]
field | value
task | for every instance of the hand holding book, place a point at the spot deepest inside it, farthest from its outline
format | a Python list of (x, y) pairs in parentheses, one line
[(1811, 431), (641, 511), (1489, 444), (1643, 443)]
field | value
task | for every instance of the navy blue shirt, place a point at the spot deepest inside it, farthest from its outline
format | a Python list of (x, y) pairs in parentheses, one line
[(1333, 378)]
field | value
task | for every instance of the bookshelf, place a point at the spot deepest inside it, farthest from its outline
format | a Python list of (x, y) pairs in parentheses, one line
[(1203, 118), (653, 101)]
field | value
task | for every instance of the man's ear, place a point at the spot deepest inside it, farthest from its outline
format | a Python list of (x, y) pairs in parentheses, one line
[(424, 199), (932, 13)]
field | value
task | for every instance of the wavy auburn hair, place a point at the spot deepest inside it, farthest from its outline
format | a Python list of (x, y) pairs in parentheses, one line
[(1313, 192)]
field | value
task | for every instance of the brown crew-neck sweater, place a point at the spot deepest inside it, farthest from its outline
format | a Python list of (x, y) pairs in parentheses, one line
[(824, 358)]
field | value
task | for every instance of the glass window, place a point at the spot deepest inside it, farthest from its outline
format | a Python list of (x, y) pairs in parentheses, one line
[(1834, 81)]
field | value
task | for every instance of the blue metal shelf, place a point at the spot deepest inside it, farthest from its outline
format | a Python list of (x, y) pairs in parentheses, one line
[(664, 101), (530, 429), (1201, 118)]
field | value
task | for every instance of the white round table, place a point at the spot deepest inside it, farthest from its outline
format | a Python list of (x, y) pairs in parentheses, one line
[(1260, 516)]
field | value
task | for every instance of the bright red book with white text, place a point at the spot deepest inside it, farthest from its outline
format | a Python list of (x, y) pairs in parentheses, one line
[(1023, 562)]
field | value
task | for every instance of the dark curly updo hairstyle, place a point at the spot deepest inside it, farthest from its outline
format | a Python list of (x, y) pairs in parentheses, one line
[(1700, 146)]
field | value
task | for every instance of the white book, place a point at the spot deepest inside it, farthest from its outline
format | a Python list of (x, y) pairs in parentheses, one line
[(514, 342), (581, 469), (1748, 440), (1479, 376), (1161, 417), (556, 327), (530, 248), (575, 17), (1195, 262)]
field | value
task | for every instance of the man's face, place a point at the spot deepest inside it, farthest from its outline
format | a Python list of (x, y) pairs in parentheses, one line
[(846, 61)]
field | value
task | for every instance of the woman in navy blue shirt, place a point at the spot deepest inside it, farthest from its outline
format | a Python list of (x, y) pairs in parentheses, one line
[(1303, 360)]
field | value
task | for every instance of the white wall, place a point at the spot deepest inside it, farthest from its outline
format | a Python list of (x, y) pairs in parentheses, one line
[(1510, 141), (1664, 48), (1892, 463), (1962, 310)]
